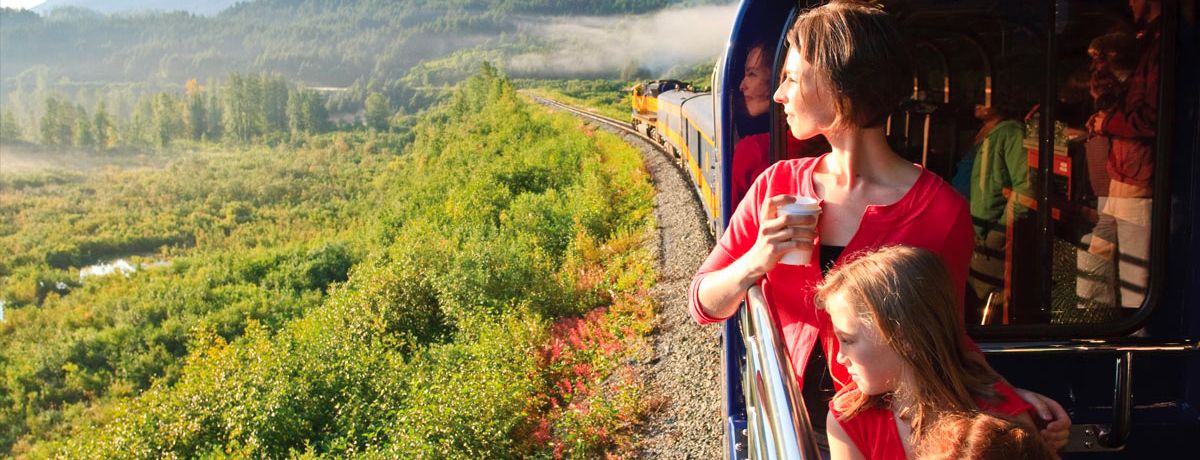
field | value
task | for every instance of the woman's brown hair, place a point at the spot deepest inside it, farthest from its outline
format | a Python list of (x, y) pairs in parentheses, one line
[(979, 436), (862, 55), (907, 295)]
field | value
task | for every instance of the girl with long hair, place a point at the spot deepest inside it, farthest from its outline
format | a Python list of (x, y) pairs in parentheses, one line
[(895, 315)]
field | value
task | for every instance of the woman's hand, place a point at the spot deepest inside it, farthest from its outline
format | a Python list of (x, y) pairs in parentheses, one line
[(778, 235), (1095, 124), (1058, 424)]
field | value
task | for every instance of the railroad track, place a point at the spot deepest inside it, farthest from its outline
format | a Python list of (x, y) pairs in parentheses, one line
[(623, 126)]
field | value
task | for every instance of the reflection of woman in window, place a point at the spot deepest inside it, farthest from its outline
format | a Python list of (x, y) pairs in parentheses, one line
[(752, 154), (847, 69)]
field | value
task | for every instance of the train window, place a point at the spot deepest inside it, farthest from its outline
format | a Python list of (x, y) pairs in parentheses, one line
[(1062, 237)]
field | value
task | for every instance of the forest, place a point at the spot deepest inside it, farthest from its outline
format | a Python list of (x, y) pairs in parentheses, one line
[(311, 229), (78, 68), (474, 287)]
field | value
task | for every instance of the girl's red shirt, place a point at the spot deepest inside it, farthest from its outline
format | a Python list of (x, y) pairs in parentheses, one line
[(873, 431)]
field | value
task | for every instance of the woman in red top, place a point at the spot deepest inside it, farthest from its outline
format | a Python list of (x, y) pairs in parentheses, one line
[(845, 72), (896, 317)]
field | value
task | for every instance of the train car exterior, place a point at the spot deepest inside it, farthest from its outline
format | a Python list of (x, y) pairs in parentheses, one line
[(1109, 331), (685, 123)]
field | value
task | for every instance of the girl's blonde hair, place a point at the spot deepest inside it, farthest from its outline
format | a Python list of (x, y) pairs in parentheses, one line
[(906, 294)]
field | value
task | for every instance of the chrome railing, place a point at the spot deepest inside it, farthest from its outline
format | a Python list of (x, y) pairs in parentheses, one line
[(777, 421)]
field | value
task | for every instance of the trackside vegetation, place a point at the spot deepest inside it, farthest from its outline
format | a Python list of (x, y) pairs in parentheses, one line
[(477, 287)]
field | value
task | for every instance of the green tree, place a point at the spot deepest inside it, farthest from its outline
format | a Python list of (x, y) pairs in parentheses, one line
[(195, 116), (244, 116), (274, 100), (168, 122), (82, 135), (57, 122), (102, 123), (138, 130), (306, 112), (213, 124), (9, 129), (378, 112)]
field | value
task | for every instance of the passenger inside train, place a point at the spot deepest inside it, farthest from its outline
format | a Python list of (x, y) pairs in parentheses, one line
[(995, 175), (895, 315), (1124, 86), (845, 72)]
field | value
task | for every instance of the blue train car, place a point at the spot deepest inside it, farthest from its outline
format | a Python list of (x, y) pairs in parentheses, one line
[(1095, 302)]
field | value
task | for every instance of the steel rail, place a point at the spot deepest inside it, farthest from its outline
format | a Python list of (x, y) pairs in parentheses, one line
[(594, 117), (776, 414)]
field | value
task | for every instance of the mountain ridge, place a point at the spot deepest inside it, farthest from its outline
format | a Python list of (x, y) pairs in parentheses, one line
[(198, 7)]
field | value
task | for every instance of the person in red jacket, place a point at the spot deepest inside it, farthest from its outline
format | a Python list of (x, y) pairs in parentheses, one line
[(895, 314), (1121, 240), (845, 72)]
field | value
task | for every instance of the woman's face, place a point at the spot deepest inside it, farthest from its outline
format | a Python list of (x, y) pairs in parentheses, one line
[(806, 98), (756, 83), (872, 364)]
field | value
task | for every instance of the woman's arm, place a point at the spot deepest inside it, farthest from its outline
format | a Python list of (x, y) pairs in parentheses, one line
[(720, 291), (840, 445)]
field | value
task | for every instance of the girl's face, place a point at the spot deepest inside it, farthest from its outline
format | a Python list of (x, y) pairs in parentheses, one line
[(806, 98), (872, 364)]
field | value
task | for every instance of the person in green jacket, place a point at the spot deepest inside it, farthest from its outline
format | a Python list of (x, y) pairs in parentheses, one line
[(999, 176)]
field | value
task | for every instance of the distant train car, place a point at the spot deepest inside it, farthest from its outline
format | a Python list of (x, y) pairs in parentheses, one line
[(1094, 301), (643, 98)]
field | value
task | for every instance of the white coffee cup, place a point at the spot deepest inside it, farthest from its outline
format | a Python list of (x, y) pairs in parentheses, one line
[(804, 206)]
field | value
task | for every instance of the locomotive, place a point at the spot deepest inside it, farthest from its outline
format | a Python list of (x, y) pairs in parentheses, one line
[(1111, 332)]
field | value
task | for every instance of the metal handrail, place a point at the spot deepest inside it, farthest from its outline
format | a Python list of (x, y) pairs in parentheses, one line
[(778, 424)]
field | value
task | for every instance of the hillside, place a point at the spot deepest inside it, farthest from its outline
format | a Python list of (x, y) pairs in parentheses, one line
[(201, 7), (362, 295), (319, 43)]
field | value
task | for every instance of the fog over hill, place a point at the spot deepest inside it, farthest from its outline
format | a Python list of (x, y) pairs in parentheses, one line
[(201, 7), (335, 44)]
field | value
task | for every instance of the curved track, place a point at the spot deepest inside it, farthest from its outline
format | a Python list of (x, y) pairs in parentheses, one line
[(617, 124)]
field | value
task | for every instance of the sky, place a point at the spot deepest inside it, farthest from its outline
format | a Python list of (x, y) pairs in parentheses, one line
[(21, 3)]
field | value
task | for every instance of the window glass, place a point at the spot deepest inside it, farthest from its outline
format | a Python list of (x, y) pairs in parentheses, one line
[(1109, 54), (1077, 251)]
